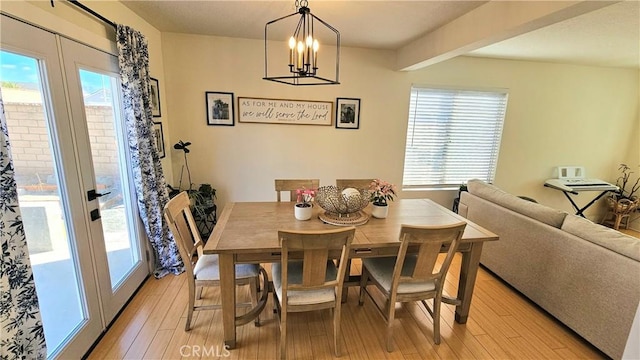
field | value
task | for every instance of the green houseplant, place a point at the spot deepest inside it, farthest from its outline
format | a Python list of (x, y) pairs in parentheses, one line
[(202, 199)]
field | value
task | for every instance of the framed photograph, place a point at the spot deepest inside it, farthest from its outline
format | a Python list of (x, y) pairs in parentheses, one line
[(155, 98), (347, 113), (219, 108), (158, 139)]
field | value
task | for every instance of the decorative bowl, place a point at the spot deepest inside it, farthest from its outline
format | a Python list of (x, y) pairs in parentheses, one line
[(341, 201)]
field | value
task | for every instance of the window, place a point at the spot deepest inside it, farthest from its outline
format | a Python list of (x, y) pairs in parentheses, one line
[(453, 136)]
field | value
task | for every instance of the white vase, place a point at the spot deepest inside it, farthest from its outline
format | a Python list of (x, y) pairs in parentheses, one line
[(379, 211), (302, 213)]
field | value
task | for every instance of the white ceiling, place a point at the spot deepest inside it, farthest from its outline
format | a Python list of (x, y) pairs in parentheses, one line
[(609, 36), (606, 37)]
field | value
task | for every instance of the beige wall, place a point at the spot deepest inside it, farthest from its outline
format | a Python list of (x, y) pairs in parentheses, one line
[(557, 115)]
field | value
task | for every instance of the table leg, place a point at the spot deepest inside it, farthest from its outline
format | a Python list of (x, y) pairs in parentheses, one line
[(347, 278), (228, 298), (468, 274)]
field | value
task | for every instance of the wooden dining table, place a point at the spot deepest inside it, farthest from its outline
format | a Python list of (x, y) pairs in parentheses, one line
[(247, 232)]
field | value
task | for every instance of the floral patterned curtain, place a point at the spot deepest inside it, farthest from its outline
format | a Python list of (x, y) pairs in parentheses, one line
[(149, 179), (21, 330)]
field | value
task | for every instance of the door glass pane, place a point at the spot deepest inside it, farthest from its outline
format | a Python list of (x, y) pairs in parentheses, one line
[(40, 198), (103, 122)]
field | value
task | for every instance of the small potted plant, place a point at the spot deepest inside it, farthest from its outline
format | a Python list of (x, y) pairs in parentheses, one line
[(624, 201), (381, 192), (304, 207)]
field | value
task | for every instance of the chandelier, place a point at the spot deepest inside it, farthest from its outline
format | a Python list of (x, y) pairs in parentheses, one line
[(301, 66)]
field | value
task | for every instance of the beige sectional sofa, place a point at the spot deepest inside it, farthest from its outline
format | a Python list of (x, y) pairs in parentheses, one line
[(584, 274)]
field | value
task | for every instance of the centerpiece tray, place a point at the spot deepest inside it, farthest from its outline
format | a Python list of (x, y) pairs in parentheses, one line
[(353, 219)]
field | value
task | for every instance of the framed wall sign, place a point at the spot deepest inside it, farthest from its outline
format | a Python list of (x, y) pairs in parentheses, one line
[(278, 111), (220, 108), (158, 139), (155, 98), (347, 113)]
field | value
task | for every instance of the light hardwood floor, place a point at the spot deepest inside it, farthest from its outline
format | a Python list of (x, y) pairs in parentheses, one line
[(502, 325)]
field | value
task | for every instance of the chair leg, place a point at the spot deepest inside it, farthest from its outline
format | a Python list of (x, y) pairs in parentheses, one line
[(336, 328), (199, 292), (363, 285), (254, 283), (437, 302), (276, 304), (391, 307), (283, 335), (190, 305)]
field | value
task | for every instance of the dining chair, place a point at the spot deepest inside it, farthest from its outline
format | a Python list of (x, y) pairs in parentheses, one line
[(204, 270), (413, 277), (353, 183), (313, 283), (292, 185)]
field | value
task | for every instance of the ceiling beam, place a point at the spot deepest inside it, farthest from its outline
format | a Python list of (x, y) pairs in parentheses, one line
[(487, 24)]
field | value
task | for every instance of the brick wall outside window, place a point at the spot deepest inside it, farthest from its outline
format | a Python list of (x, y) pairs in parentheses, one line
[(28, 136)]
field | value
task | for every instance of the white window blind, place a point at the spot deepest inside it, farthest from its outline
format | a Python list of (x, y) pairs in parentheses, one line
[(453, 136)]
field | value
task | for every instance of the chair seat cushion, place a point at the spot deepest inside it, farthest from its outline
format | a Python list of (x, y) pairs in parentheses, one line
[(381, 269), (207, 268), (303, 297)]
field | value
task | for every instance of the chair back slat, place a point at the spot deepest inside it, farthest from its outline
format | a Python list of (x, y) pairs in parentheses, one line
[(315, 267), (182, 225), (430, 240), (291, 185), (426, 260), (315, 246), (353, 183)]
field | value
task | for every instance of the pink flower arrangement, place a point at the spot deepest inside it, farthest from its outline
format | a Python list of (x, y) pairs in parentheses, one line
[(381, 191), (305, 197)]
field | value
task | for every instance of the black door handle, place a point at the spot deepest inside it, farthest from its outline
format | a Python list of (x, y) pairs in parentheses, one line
[(92, 195)]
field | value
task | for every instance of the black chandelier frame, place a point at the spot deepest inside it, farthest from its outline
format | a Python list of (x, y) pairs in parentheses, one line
[(306, 74)]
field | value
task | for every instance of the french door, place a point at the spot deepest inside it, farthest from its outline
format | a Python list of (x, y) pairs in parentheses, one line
[(62, 105)]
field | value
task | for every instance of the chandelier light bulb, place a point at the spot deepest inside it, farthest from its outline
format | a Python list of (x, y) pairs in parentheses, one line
[(292, 46), (316, 46), (300, 53)]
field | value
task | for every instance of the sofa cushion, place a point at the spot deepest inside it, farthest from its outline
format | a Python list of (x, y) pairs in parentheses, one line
[(533, 210), (613, 240)]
